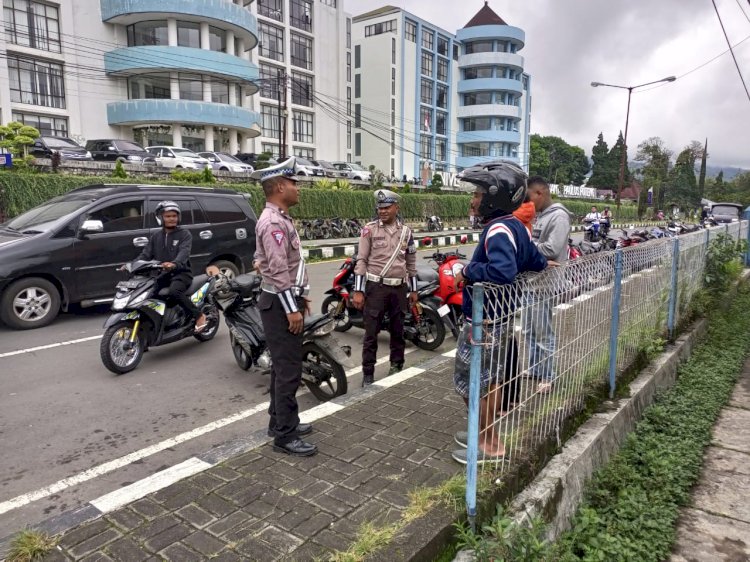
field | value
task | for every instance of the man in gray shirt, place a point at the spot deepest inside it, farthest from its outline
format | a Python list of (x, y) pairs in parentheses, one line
[(550, 234)]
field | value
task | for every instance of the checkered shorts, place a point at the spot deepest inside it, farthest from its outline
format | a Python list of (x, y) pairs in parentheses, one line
[(493, 359)]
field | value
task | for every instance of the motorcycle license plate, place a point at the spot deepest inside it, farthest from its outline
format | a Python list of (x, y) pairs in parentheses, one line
[(444, 310), (128, 285)]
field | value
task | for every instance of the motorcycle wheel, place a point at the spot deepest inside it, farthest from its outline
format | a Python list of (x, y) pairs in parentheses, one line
[(308, 234), (430, 330), (113, 348), (329, 304), (244, 361), (335, 384), (212, 316)]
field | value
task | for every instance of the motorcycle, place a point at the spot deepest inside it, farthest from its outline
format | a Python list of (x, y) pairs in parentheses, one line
[(422, 325), (591, 231), (574, 251), (141, 319), (448, 266), (355, 229), (434, 224), (322, 356)]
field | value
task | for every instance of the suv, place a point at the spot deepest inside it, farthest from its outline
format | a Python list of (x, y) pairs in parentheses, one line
[(303, 167), (330, 170), (45, 147), (224, 162), (66, 250), (354, 171), (174, 157), (118, 150)]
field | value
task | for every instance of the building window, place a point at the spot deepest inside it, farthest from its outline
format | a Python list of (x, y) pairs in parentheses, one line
[(191, 87), (272, 149), (426, 63), (270, 122), (425, 147), (442, 69), (393, 142), (271, 41), (348, 32), (147, 33), (425, 119), (32, 24), (348, 135), (428, 39), (378, 28), (300, 14), (273, 9), (36, 82), (357, 85), (442, 96), (348, 66), (189, 34), (443, 44), (425, 88), (331, 3), (440, 121), (477, 124), (502, 47), (301, 152), (410, 31), (455, 52), (349, 101), (217, 39), (302, 127), (47, 126), (219, 91), (478, 98), (357, 55), (393, 81), (302, 89), (301, 51), (479, 47), (525, 82), (270, 76), (357, 115), (440, 149), (150, 86), (475, 149), (393, 112), (478, 72), (357, 144)]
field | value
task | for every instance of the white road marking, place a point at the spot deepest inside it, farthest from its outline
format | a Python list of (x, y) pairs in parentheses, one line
[(162, 479), (401, 376), (450, 353), (50, 346), (319, 411)]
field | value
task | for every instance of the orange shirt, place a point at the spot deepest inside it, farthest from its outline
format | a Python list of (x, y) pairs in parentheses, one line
[(525, 213)]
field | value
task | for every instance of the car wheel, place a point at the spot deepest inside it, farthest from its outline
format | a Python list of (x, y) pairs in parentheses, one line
[(227, 268), (121, 160), (29, 303), (223, 169), (178, 167)]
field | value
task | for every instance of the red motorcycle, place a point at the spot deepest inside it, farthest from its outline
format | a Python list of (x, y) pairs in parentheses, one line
[(448, 265)]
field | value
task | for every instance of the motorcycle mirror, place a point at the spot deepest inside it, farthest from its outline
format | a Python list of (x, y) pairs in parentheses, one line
[(427, 241)]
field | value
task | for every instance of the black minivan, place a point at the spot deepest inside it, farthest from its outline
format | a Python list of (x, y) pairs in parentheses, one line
[(66, 250)]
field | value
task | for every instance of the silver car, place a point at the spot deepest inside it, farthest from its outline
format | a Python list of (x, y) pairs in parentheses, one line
[(224, 162), (303, 167), (354, 171)]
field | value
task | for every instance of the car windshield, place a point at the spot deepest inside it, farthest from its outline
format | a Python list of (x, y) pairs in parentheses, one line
[(184, 152), (41, 218), (303, 162), (725, 210), (224, 157), (324, 164), (127, 145), (58, 142), (357, 167)]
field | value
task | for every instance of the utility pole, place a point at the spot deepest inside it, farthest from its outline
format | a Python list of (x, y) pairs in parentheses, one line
[(283, 112)]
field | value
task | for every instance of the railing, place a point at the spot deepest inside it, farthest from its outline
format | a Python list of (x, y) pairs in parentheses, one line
[(541, 346)]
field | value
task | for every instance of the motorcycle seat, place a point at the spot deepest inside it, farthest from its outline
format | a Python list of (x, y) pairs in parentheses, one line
[(426, 274), (313, 319), (422, 284), (246, 281), (196, 284)]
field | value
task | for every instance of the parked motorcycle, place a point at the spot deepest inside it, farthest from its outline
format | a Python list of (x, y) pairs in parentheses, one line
[(355, 229), (141, 319), (322, 356), (448, 266), (422, 325), (434, 224)]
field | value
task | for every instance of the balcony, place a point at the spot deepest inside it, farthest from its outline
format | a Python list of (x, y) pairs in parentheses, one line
[(499, 32), (490, 135), (221, 13), (138, 60), (489, 110), (468, 161), (491, 59), (138, 112), (491, 84)]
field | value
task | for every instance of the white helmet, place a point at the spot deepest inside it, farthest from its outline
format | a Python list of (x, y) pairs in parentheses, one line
[(165, 206)]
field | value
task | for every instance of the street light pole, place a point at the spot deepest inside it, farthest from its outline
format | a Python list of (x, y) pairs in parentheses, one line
[(621, 176)]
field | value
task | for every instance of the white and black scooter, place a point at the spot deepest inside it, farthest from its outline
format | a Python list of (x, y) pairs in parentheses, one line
[(141, 317), (322, 356)]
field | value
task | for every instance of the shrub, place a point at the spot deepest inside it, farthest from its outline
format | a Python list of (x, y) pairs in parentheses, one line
[(323, 184), (187, 176), (207, 175), (119, 171), (56, 160)]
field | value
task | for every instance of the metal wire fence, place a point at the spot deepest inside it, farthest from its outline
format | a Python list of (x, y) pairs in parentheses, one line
[(538, 348)]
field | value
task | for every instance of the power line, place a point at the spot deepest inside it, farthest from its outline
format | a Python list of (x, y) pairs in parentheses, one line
[(742, 10), (730, 49)]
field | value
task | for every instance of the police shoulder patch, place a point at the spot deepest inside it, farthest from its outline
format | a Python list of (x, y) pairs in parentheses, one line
[(278, 235)]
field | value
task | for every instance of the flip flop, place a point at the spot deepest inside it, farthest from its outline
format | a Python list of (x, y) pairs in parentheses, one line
[(544, 387), (200, 327)]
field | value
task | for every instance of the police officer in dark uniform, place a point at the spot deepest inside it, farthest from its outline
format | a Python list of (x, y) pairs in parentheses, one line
[(279, 258), (386, 267)]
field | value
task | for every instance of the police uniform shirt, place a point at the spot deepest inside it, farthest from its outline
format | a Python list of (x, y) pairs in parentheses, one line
[(377, 244)]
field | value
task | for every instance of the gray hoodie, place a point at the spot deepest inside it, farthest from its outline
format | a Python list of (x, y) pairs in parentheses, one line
[(551, 232)]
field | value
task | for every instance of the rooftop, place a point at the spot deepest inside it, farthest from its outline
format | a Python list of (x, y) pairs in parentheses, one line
[(485, 16)]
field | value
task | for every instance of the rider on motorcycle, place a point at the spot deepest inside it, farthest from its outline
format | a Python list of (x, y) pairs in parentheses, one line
[(171, 246)]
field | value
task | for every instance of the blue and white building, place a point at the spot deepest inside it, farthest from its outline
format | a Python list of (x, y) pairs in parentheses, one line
[(427, 100)]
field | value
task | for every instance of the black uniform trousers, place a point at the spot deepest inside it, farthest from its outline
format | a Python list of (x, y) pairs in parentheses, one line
[(379, 300), (178, 284), (286, 367)]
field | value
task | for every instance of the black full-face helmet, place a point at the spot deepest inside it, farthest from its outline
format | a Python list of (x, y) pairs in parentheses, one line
[(503, 186)]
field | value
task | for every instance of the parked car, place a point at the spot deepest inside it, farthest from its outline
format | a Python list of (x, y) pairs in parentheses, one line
[(45, 147), (330, 170), (303, 167), (118, 150), (226, 162), (173, 157), (66, 250), (726, 212), (251, 158), (353, 171)]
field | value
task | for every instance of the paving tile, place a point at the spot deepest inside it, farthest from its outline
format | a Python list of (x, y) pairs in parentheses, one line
[(95, 543), (280, 540), (196, 516), (180, 553), (204, 543), (126, 549)]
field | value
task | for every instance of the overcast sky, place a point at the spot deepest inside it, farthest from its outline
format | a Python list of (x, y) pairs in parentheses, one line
[(570, 43)]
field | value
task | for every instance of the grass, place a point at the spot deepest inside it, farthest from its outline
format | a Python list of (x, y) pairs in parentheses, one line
[(30, 545)]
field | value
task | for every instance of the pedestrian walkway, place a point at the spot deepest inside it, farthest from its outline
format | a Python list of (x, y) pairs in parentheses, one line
[(716, 526), (390, 439)]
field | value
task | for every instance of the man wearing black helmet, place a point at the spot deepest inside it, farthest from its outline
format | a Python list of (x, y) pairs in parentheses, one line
[(504, 250), (171, 246)]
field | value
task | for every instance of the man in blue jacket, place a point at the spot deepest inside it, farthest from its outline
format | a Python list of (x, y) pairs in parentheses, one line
[(504, 250)]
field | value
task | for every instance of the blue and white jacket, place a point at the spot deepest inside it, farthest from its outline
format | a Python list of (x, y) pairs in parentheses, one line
[(505, 249)]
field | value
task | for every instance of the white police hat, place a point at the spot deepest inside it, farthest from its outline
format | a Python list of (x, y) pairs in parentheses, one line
[(285, 169), (385, 198)]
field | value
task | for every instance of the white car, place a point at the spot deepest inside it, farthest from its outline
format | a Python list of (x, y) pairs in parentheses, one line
[(224, 162), (354, 171), (303, 167), (174, 157)]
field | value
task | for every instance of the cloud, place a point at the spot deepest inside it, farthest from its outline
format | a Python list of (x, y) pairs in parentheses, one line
[(571, 43)]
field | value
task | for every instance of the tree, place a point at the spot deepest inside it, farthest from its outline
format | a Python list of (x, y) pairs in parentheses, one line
[(656, 159), (702, 176), (683, 187), (615, 158), (603, 172), (16, 137), (557, 161)]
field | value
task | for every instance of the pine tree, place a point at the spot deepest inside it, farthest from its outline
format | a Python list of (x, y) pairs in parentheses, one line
[(702, 177), (615, 155), (601, 175)]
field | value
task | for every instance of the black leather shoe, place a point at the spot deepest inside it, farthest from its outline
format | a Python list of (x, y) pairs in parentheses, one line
[(367, 380), (297, 448), (395, 368), (302, 429)]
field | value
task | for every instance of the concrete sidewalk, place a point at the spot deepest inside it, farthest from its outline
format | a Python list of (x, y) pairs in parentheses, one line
[(376, 446), (717, 524)]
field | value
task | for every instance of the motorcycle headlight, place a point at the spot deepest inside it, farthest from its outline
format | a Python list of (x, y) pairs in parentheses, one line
[(325, 329), (139, 299), (119, 303)]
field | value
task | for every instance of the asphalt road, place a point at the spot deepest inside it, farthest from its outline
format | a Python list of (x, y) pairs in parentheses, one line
[(62, 413)]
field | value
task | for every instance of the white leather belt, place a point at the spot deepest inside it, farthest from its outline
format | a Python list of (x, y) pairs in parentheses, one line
[(390, 281), (296, 291)]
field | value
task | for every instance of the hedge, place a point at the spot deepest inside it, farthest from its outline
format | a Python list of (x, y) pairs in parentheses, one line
[(20, 192)]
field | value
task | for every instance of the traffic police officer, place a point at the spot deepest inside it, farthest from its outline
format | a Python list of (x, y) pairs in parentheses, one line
[(386, 265), (279, 258)]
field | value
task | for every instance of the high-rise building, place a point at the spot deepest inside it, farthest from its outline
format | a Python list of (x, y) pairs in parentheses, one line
[(427, 100)]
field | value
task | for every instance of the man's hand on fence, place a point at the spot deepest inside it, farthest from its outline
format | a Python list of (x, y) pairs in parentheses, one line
[(552, 263)]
